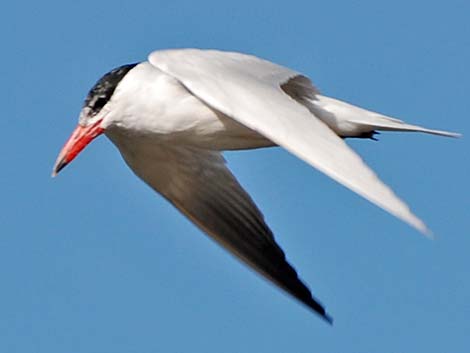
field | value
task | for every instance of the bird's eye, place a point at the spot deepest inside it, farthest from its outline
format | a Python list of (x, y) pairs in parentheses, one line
[(100, 102)]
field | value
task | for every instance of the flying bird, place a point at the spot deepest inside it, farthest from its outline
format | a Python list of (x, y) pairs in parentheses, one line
[(172, 116)]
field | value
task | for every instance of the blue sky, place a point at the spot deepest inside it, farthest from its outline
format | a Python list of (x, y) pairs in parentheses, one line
[(93, 261)]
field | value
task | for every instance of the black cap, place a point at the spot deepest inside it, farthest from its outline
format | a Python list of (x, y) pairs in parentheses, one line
[(102, 91)]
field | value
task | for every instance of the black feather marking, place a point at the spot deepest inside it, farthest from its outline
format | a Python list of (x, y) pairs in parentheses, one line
[(103, 90)]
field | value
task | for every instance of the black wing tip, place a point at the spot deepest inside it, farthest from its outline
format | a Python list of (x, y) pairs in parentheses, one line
[(318, 309), (327, 318), (323, 314)]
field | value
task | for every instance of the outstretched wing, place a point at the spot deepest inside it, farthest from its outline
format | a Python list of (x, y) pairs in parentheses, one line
[(200, 185), (253, 92)]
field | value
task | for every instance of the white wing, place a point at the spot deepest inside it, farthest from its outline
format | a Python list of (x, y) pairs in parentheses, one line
[(249, 90)]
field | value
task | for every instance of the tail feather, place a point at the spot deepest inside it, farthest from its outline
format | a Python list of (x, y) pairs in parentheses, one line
[(384, 123), (350, 121)]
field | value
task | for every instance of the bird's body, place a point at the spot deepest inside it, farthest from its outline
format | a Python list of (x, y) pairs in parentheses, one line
[(172, 116)]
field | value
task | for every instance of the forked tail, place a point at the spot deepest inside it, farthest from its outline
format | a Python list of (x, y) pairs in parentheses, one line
[(348, 120)]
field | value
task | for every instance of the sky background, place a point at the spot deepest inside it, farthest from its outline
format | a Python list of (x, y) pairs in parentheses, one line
[(93, 261)]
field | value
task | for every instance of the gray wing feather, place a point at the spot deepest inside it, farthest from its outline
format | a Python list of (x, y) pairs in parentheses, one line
[(199, 184)]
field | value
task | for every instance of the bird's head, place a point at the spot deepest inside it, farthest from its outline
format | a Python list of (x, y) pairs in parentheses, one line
[(92, 122)]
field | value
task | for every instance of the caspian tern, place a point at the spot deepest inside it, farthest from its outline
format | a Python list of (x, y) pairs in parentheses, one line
[(173, 115)]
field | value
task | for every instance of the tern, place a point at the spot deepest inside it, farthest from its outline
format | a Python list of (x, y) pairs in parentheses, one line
[(172, 116)]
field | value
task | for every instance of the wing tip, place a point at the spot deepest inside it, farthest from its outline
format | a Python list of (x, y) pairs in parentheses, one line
[(318, 309), (419, 225), (328, 319), (428, 233)]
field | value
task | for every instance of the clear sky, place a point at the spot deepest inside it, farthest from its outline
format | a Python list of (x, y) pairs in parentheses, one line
[(94, 261)]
